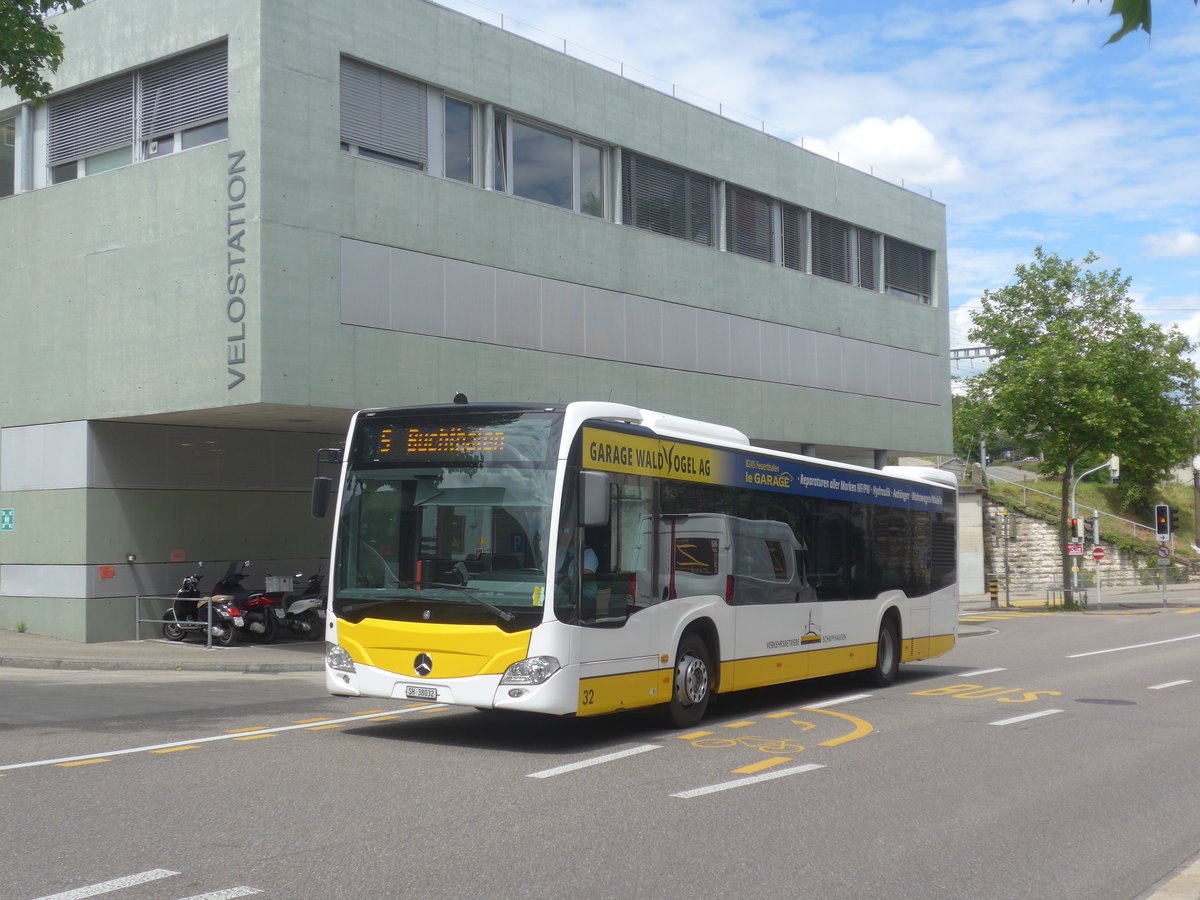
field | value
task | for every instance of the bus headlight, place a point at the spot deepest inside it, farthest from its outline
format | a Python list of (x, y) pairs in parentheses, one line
[(337, 658), (534, 670)]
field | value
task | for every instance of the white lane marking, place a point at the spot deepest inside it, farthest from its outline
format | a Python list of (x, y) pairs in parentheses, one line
[(227, 894), (1159, 687), (836, 701), (595, 761), (1186, 637), (1025, 718), (981, 672), (742, 782), (116, 884), (203, 740)]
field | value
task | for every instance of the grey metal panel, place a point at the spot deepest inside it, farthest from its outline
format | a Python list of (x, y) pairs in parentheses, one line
[(518, 310), (679, 336), (418, 284), (881, 377), (365, 279), (604, 337), (643, 330), (470, 301), (712, 342), (856, 358), (563, 317), (828, 351), (801, 357), (745, 347), (772, 339)]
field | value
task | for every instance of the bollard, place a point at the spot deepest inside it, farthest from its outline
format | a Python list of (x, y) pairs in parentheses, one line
[(994, 592)]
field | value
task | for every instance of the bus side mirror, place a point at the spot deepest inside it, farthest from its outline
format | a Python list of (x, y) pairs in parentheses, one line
[(593, 499), (322, 485)]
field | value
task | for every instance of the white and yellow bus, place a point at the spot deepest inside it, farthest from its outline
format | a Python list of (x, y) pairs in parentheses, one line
[(590, 557)]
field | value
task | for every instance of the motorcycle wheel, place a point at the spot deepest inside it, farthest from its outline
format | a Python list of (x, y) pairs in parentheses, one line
[(228, 637), (269, 627), (315, 626), (172, 630)]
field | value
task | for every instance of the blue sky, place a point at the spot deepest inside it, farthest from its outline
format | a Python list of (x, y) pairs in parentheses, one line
[(1012, 113)]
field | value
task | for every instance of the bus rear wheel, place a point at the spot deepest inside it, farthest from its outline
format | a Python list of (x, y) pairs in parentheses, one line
[(887, 654), (691, 686)]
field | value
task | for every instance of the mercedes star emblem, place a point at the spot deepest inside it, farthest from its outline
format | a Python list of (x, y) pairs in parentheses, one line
[(423, 665)]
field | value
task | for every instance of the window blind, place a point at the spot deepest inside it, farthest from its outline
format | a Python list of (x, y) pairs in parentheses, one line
[(666, 199), (90, 120), (184, 92), (748, 224), (831, 248), (384, 112), (908, 270)]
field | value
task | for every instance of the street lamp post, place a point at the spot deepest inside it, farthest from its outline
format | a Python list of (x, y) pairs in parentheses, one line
[(1074, 485)]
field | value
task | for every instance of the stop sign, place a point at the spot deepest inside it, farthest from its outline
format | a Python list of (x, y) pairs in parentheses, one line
[(1098, 554)]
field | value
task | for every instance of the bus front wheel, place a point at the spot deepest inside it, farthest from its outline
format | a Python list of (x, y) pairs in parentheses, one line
[(887, 654), (691, 687)]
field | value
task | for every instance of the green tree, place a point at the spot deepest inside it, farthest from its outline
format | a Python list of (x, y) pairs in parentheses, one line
[(29, 47), (1134, 14), (1081, 374)]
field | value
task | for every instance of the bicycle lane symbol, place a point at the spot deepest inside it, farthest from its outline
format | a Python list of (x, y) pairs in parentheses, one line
[(708, 740)]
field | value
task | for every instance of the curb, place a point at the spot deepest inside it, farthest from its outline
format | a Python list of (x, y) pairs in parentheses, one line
[(87, 665)]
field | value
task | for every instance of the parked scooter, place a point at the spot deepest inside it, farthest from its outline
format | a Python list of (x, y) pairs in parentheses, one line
[(257, 607), (190, 614), (304, 613)]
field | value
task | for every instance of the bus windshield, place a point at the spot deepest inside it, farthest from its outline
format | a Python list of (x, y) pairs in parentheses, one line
[(446, 516)]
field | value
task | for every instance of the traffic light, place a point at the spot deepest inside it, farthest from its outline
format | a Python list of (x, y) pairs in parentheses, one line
[(1162, 519), (1172, 520), (1076, 531), (1089, 530)]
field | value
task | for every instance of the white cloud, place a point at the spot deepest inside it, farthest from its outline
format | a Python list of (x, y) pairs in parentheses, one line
[(1172, 245), (903, 147)]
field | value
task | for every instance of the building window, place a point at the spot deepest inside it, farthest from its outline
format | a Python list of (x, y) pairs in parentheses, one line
[(831, 248), (180, 103), (8, 156), (748, 224), (794, 237), (459, 136), (666, 199), (549, 166), (384, 116), (184, 102), (907, 270), (868, 255)]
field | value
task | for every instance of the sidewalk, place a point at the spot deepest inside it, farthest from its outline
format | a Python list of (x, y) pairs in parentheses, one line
[(35, 651)]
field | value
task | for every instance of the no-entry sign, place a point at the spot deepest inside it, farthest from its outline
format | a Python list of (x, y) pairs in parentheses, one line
[(1098, 554)]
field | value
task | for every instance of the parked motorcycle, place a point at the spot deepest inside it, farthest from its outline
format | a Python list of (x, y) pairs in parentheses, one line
[(304, 613), (189, 614), (257, 607)]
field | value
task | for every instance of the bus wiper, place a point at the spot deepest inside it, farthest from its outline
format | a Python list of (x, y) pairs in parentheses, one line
[(503, 614)]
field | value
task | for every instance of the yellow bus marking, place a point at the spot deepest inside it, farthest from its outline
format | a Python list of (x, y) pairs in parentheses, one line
[(780, 715), (82, 762), (325, 727), (693, 734), (764, 764), (384, 718), (177, 749), (310, 721), (432, 709), (253, 737), (243, 730), (1184, 612), (861, 728), (738, 724)]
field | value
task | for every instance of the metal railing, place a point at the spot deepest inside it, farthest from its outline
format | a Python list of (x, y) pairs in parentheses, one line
[(139, 621)]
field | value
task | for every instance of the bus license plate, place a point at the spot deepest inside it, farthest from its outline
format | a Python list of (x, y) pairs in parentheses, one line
[(415, 692)]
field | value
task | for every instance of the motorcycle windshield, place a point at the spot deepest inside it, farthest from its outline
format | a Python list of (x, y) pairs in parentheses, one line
[(448, 519)]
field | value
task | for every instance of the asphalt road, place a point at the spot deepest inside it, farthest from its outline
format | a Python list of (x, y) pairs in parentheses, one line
[(1053, 758)]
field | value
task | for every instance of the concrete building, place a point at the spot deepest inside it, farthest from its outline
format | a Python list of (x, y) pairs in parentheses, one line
[(235, 222)]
